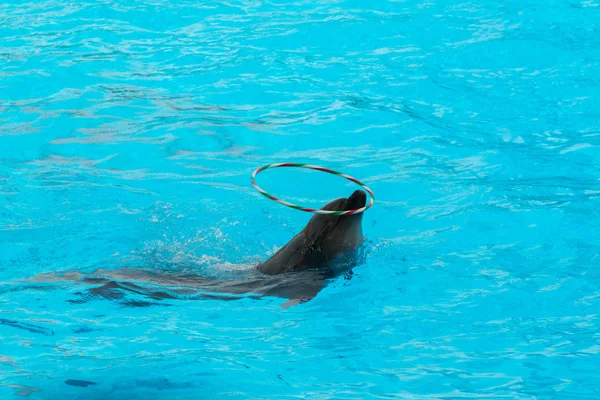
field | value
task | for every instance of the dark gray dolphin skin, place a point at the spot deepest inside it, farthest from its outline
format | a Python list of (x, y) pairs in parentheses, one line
[(325, 248), (323, 241)]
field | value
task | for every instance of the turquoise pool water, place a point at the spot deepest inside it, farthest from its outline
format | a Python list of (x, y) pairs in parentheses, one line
[(128, 133)]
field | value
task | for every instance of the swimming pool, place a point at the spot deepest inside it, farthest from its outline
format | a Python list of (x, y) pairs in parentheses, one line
[(128, 133)]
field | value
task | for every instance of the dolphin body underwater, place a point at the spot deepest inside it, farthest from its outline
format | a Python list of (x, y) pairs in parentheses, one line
[(326, 247)]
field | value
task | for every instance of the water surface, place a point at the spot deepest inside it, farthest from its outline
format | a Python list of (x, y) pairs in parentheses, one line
[(128, 133)]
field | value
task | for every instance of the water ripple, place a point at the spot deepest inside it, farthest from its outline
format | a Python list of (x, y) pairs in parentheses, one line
[(129, 129)]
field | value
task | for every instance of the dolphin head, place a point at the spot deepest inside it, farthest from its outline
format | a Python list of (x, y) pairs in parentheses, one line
[(326, 242), (330, 236)]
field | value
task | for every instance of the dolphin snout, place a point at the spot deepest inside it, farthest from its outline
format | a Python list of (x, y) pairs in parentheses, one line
[(358, 199)]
